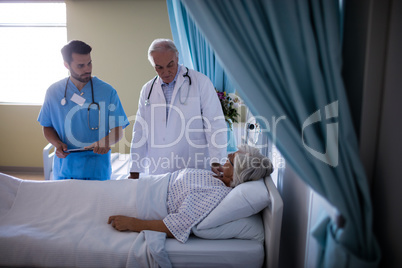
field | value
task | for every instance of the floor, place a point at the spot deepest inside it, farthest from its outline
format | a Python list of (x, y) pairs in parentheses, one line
[(26, 175)]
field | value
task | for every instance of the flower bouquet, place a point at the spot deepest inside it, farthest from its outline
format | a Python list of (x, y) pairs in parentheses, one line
[(229, 102)]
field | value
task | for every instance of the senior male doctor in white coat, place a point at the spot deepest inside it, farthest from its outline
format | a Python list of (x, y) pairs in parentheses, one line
[(179, 122)]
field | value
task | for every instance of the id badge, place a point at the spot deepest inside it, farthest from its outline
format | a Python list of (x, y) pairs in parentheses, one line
[(78, 99)]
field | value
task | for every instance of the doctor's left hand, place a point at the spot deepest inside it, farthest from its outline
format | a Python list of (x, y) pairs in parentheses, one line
[(99, 147), (61, 149)]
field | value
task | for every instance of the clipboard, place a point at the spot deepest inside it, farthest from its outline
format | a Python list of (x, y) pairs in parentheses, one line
[(78, 150)]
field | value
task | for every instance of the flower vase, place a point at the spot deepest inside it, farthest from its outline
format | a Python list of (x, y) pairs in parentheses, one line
[(231, 139)]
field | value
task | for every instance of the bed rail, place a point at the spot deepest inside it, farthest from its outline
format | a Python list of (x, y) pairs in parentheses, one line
[(48, 154), (272, 217)]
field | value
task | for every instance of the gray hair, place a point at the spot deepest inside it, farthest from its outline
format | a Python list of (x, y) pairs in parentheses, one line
[(161, 45), (250, 165)]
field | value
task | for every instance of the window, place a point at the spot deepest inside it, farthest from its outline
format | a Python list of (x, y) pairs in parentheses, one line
[(31, 36)]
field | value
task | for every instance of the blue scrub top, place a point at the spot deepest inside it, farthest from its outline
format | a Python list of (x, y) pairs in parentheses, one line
[(71, 123)]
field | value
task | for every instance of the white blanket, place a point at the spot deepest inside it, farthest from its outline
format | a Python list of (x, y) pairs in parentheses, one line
[(64, 223), (148, 250)]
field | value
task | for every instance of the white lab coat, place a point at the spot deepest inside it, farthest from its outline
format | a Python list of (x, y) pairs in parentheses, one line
[(194, 134)]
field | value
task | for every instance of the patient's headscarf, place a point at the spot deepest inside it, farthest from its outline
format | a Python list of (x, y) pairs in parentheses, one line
[(250, 164)]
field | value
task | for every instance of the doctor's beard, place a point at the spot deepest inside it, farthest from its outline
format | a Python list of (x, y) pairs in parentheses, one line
[(83, 78)]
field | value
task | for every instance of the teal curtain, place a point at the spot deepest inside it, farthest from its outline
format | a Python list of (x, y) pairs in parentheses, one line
[(285, 58), (194, 51)]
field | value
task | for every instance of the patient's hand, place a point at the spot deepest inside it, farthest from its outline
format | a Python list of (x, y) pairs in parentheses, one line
[(122, 223), (217, 169)]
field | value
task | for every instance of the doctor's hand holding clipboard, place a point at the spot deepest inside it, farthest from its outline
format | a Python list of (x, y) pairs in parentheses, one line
[(52, 136), (102, 146)]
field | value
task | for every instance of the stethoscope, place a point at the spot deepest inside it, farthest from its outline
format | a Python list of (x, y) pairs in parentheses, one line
[(64, 101), (182, 102)]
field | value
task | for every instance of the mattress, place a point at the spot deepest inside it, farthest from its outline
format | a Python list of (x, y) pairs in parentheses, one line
[(198, 252)]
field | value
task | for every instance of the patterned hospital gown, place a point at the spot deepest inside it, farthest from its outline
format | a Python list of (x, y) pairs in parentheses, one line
[(192, 195)]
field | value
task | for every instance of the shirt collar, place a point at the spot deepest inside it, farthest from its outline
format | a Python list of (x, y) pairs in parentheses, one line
[(175, 78)]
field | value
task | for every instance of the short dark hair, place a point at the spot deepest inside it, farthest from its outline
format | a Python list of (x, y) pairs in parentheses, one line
[(74, 46)]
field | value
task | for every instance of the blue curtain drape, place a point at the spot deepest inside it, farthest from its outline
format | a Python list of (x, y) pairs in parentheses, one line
[(285, 58), (194, 51)]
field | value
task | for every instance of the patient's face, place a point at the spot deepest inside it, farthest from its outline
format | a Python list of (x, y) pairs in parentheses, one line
[(228, 169)]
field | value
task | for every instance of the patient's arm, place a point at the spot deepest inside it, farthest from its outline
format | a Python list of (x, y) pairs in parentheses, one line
[(124, 223)]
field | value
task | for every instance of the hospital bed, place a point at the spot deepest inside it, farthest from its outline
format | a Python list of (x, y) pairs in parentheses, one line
[(201, 250)]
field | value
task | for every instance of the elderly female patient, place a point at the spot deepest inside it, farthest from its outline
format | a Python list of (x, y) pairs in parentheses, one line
[(193, 193)]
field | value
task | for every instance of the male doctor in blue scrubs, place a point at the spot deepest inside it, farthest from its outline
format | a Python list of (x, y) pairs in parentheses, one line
[(82, 112)]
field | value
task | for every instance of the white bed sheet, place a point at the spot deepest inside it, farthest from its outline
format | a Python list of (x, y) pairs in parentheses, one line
[(120, 166)]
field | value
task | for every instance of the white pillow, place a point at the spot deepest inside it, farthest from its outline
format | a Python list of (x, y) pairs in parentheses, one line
[(244, 200), (246, 228)]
